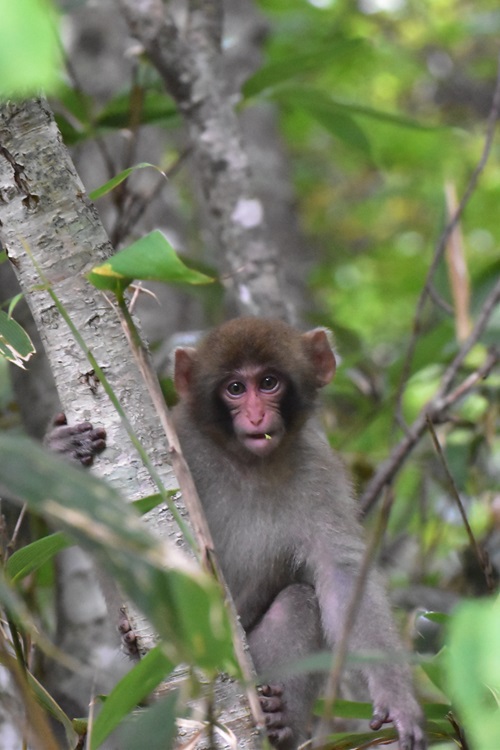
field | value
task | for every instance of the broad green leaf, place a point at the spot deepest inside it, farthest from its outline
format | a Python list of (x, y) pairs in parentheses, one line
[(474, 670), (151, 258), (435, 669), (15, 344), (18, 613), (145, 504), (120, 112), (47, 701), (153, 728), (182, 603), (440, 617), (351, 123), (29, 50), (351, 709), (337, 120), (436, 731), (154, 107), (118, 179), (13, 604), (34, 555), (312, 99), (129, 692), (279, 72)]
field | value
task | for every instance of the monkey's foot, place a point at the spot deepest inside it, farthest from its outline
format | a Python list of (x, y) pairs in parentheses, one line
[(273, 706), (128, 637)]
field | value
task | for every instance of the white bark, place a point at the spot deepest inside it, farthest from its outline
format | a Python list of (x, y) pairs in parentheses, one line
[(45, 215)]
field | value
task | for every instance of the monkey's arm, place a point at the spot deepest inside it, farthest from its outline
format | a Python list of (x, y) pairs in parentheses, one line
[(389, 682)]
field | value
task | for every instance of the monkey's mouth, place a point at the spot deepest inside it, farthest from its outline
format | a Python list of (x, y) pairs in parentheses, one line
[(259, 436), (260, 443)]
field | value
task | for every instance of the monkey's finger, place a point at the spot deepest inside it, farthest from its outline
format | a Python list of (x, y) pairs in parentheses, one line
[(412, 739), (380, 716), (64, 431), (270, 690), (271, 704)]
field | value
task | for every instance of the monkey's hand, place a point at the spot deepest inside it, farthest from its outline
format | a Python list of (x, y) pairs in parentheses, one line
[(273, 706), (408, 721), (79, 442)]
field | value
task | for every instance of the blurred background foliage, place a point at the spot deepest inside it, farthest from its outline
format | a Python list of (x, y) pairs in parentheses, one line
[(390, 107)]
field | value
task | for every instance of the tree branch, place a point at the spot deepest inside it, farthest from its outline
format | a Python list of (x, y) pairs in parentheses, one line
[(435, 411), (427, 291), (191, 68)]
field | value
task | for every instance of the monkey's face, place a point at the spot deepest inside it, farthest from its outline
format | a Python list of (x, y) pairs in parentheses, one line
[(253, 397)]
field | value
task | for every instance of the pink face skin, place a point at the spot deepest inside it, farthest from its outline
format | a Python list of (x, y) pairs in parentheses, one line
[(253, 397)]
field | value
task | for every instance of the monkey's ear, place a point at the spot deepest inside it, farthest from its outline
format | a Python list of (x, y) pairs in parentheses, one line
[(319, 347), (183, 369)]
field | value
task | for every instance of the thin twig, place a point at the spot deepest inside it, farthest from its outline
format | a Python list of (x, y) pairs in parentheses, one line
[(443, 240), (193, 504), (333, 682), (12, 544), (436, 408), (141, 203), (485, 314), (438, 405), (481, 554)]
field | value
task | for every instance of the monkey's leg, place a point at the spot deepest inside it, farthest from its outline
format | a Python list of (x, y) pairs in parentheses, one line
[(289, 630)]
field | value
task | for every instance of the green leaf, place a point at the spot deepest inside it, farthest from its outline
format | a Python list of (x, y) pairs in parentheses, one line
[(435, 669), (145, 504), (129, 692), (336, 119), (474, 670), (352, 709), (153, 728), (47, 701), (14, 605), (34, 555), (15, 344), (29, 51), (155, 107), (440, 617), (276, 73), (151, 258), (342, 119), (182, 603), (118, 179)]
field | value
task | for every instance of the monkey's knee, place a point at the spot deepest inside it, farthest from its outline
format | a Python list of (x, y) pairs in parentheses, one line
[(297, 609)]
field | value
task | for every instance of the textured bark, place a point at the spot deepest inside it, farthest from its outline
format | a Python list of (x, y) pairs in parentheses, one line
[(46, 216), (191, 65), (45, 213), (83, 627)]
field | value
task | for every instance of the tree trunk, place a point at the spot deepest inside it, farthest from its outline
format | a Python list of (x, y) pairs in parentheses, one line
[(47, 222)]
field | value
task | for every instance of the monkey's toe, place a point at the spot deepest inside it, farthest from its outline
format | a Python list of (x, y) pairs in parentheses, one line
[(273, 706), (128, 637)]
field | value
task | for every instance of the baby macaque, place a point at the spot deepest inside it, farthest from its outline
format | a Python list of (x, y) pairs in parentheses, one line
[(282, 516)]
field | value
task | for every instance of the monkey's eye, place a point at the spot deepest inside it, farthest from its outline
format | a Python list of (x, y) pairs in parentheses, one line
[(236, 388), (269, 383)]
